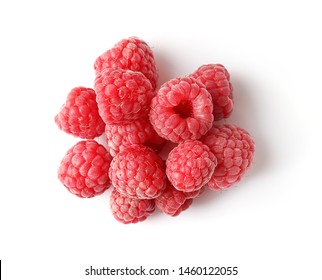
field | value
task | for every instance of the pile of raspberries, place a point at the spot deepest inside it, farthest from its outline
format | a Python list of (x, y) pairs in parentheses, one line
[(159, 147)]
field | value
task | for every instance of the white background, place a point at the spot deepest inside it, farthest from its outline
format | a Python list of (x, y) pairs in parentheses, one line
[(268, 226)]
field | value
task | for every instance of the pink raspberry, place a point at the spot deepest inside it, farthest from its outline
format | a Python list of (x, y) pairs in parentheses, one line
[(79, 115), (138, 172), (234, 150), (122, 95), (137, 132), (84, 169), (130, 210), (190, 165), (181, 110), (130, 54), (172, 202), (217, 81)]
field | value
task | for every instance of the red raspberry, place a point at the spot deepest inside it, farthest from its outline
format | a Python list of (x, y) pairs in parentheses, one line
[(79, 115), (138, 172), (190, 165), (122, 95), (181, 110), (130, 54), (136, 132), (234, 149), (172, 202), (130, 210), (84, 169), (217, 81)]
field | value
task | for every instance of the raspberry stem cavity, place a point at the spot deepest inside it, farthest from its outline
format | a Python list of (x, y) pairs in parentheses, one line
[(184, 109)]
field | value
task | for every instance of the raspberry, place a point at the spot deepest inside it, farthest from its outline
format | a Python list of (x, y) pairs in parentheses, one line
[(190, 165), (79, 115), (181, 110), (217, 81), (130, 210), (84, 169), (122, 95), (234, 150), (138, 172), (130, 54), (172, 202), (137, 132)]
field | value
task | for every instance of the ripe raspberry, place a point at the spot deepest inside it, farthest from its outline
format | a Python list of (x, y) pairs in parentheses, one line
[(190, 165), (137, 132), (130, 210), (234, 149), (172, 202), (217, 81), (122, 95), (138, 172), (181, 110), (130, 54), (79, 115), (84, 169)]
